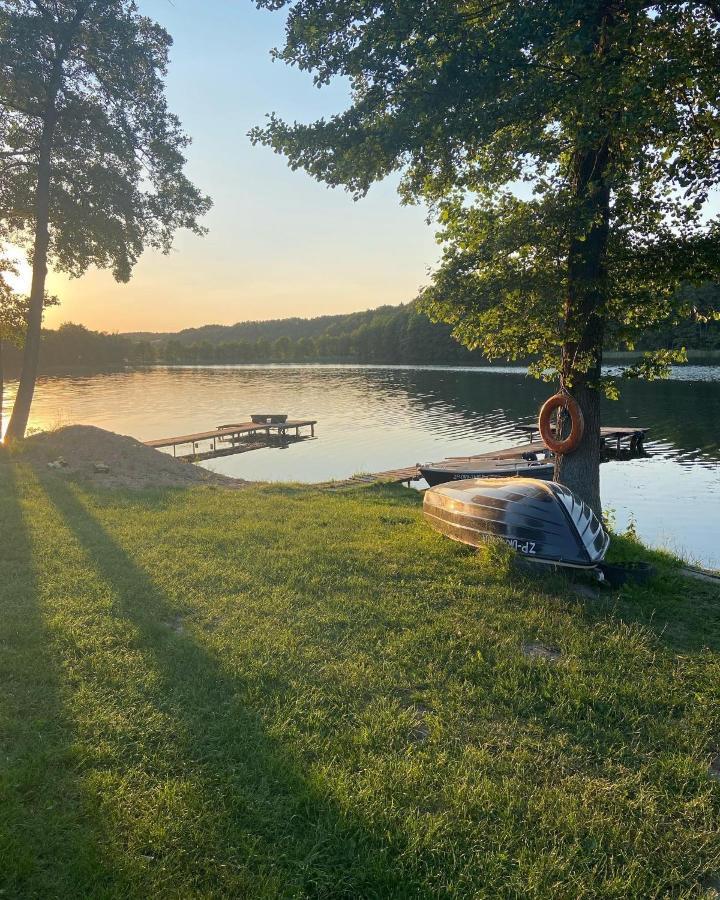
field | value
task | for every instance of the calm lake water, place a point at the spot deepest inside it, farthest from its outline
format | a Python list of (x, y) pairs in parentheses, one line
[(375, 418)]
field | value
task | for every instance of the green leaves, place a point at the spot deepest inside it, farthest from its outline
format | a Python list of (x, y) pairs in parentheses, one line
[(13, 305), (656, 364), (118, 185), (486, 109)]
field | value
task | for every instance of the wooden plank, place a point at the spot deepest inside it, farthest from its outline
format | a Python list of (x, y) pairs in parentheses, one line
[(509, 452), (238, 448), (606, 431), (243, 428), (500, 458), (625, 431), (539, 446)]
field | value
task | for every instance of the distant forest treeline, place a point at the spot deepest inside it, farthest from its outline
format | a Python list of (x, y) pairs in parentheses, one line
[(390, 334)]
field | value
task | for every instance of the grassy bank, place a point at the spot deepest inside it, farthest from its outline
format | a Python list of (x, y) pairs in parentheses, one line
[(284, 693)]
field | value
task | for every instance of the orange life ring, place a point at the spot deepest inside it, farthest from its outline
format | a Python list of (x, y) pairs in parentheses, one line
[(570, 443)]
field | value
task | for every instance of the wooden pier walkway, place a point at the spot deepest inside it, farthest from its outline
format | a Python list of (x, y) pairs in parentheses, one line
[(632, 436), (226, 440)]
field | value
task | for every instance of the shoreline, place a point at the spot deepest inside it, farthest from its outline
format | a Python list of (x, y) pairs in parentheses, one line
[(695, 358)]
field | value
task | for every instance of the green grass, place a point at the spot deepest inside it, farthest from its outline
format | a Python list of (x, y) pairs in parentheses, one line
[(279, 692)]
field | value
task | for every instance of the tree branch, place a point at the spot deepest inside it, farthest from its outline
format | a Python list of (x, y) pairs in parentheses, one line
[(44, 11), (713, 6)]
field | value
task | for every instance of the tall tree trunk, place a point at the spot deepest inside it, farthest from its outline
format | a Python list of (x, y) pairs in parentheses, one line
[(67, 32), (585, 324), (2, 388), (31, 353), (585, 307)]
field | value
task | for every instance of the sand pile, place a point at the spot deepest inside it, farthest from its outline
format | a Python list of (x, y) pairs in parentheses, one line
[(113, 460)]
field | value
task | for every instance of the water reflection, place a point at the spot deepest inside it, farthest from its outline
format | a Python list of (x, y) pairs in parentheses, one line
[(376, 418)]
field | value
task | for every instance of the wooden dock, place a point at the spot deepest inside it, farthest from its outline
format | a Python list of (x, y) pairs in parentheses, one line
[(613, 437), (227, 440), (633, 435)]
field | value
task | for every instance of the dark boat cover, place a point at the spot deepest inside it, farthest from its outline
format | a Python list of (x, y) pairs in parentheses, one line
[(540, 519), (486, 468)]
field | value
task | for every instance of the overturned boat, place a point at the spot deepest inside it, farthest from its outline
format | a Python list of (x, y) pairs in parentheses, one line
[(542, 520), (469, 469)]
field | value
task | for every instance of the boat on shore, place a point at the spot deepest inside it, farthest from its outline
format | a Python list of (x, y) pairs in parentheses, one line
[(472, 469), (541, 520)]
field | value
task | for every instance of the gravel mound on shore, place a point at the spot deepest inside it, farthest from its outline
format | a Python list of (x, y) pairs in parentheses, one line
[(131, 464)]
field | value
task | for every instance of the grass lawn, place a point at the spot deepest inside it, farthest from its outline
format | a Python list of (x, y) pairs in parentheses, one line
[(279, 692)]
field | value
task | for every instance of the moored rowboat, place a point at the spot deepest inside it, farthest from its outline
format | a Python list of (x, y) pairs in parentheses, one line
[(439, 473)]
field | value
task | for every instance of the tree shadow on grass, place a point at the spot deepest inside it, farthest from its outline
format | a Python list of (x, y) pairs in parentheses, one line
[(682, 613), (648, 667), (251, 822), (49, 835)]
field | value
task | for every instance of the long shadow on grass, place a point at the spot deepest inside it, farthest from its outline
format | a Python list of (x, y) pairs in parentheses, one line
[(260, 827), (636, 709), (683, 613), (48, 835)]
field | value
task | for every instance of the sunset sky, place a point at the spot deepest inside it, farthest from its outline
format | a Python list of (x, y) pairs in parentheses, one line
[(280, 243)]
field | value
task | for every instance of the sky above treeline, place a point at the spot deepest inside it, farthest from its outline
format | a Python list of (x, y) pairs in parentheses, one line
[(280, 243)]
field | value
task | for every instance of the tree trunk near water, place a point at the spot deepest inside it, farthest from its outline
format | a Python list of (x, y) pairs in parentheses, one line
[(580, 471), (585, 305), (585, 324), (31, 353), (2, 388)]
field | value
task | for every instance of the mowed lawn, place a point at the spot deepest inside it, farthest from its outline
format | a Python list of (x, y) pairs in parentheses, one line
[(279, 692)]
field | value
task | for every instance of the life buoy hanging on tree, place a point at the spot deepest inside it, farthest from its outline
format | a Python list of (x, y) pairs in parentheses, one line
[(562, 400)]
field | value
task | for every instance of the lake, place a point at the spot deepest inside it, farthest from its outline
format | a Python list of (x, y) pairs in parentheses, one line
[(375, 418)]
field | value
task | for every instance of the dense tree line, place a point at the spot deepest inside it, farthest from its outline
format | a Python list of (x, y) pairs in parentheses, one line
[(392, 335), (387, 335), (72, 346)]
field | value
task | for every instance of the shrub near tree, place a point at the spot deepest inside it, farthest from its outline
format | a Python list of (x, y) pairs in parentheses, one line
[(567, 149), (93, 161)]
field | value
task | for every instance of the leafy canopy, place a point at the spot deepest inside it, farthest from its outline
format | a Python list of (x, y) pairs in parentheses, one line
[(485, 108), (13, 305), (93, 69)]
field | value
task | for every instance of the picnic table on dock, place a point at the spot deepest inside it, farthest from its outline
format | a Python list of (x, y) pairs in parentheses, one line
[(608, 433)]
